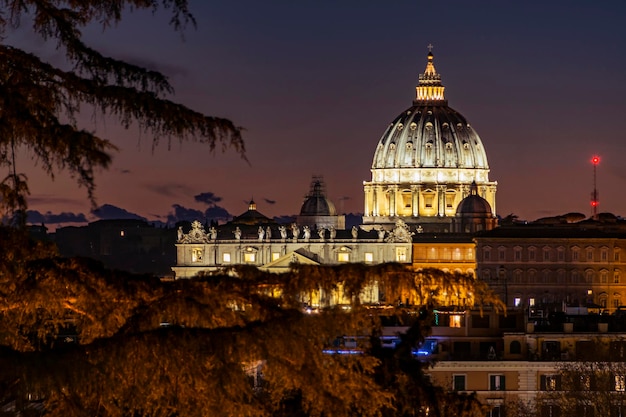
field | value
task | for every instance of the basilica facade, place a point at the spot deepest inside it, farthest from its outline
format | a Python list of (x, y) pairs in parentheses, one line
[(430, 176)]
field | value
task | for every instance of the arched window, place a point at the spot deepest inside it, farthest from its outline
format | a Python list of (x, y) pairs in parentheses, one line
[(515, 347)]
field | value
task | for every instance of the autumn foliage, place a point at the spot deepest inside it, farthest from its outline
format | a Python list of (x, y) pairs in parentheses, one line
[(82, 340)]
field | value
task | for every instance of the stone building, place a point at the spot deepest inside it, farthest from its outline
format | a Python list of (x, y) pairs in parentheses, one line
[(555, 266)]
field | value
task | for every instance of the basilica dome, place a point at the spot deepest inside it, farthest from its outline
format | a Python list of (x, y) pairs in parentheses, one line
[(426, 161)]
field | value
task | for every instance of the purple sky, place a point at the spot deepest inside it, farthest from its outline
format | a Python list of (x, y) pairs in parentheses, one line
[(315, 83)]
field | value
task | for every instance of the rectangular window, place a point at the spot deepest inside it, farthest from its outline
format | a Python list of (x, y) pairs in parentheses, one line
[(496, 383), (616, 256), (546, 255), (575, 255), (550, 382), (590, 255), (517, 302), (343, 257), (487, 255), (458, 383), (518, 254), (455, 320), (531, 254), (196, 254), (616, 278), (495, 412), (275, 255), (400, 254), (369, 257), (604, 255), (620, 383), (561, 255), (226, 258), (249, 257)]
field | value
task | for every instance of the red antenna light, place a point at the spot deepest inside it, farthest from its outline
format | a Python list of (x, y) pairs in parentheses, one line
[(595, 160)]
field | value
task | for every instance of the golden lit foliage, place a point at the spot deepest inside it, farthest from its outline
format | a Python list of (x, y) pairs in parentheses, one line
[(40, 103), (129, 362)]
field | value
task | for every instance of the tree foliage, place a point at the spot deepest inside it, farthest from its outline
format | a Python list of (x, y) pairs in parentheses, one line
[(589, 388), (193, 347), (40, 102)]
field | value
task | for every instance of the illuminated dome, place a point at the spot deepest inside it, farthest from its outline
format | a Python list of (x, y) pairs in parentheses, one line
[(425, 162), (474, 205)]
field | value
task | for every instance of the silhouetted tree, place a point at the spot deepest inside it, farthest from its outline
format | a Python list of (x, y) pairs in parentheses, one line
[(40, 102)]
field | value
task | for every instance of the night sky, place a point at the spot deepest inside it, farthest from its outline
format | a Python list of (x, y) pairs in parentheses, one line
[(315, 83)]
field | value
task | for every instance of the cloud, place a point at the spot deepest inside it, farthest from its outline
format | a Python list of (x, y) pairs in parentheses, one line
[(35, 217), (184, 214), (268, 201), (110, 212), (208, 198), (217, 213)]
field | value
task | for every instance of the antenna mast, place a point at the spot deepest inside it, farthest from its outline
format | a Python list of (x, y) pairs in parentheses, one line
[(595, 160)]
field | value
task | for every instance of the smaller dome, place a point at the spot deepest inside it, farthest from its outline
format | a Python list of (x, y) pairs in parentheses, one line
[(474, 204), (316, 203)]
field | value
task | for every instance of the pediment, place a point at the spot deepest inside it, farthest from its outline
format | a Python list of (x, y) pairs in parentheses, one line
[(283, 263)]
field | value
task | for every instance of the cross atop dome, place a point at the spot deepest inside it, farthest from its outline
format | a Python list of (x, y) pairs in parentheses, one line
[(429, 87)]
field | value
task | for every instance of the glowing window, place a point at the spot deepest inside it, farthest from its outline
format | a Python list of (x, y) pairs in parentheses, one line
[(249, 257), (226, 258), (400, 254), (517, 301), (369, 257), (275, 255), (531, 302), (428, 200), (620, 383), (343, 257), (616, 277), (121, 233), (455, 321), (196, 254)]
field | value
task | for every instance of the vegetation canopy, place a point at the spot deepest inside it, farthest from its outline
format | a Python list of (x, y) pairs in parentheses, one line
[(77, 340), (40, 102)]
